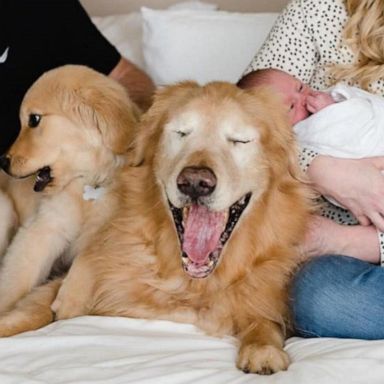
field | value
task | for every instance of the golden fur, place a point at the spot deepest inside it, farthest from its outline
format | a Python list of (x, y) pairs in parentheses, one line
[(87, 123), (134, 268)]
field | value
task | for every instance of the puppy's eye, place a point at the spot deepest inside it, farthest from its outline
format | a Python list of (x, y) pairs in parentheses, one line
[(34, 120)]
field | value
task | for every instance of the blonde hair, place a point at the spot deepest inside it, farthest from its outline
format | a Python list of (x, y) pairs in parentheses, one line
[(364, 34)]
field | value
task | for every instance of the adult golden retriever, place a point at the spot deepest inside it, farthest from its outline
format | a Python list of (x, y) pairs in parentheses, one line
[(76, 125), (207, 231)]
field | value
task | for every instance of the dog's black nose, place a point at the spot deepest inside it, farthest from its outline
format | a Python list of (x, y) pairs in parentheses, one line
[(5, 162), (196, 182)]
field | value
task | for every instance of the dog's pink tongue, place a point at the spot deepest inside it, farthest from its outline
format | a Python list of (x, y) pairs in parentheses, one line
[(202, 231)]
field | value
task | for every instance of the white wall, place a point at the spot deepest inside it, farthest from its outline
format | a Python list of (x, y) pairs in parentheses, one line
[(107, 7)]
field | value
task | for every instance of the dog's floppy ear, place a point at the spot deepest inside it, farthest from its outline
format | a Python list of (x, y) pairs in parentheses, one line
[(286, 147), (268, 110), (108, 107), (166, 100)]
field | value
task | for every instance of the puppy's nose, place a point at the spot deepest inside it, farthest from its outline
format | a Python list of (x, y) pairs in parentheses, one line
[(196, 182), (5, 162)]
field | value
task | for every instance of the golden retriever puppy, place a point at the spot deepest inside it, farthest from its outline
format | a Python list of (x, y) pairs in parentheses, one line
[(9, 221), (207, 231), (76, 126)]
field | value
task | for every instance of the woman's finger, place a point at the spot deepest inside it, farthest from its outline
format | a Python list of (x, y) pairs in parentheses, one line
[(363, 220), (378, 221)]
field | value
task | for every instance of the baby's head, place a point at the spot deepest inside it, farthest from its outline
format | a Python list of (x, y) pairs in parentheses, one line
[(292, 90)]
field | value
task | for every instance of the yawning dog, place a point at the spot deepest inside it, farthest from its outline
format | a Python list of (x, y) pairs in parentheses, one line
[(208, 227), (76, 126)]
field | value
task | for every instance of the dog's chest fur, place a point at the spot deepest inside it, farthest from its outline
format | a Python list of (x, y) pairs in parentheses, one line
[(75, 217), (145, 278)]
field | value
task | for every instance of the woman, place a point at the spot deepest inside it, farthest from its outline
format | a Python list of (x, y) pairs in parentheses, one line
[(322, 42)]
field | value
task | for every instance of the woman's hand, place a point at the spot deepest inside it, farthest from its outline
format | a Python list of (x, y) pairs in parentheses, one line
[(325, 237), (357, 184)]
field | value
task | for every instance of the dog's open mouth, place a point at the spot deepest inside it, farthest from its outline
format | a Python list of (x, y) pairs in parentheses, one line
[(203, 234), (43, 178)]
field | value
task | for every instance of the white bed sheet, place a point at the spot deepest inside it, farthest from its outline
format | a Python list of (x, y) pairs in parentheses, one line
[(120, 350)]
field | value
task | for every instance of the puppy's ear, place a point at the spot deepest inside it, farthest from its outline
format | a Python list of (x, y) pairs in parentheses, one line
[(166, 101), (109, 108)]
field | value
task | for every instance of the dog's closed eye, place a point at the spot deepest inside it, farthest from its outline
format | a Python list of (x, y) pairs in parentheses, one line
[(34, 120), (182, 133), (239, 141)]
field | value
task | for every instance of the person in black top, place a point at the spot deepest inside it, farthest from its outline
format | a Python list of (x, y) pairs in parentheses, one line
[(38, 35)]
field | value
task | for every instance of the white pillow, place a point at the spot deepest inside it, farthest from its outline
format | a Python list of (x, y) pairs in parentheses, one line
[(125, 33), (202, 46), (194, 4)]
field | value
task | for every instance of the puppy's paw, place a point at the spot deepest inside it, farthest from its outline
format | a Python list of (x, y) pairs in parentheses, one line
[(262, 359), (20, 320), (7, 330)]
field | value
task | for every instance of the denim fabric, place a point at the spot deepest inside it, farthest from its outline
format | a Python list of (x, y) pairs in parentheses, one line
[(339, 296)]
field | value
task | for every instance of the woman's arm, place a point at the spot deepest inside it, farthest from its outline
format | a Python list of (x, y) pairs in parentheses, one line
[(357, 184), (325, 237)]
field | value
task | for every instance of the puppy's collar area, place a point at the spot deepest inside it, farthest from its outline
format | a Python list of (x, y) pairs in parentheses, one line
[(93, 193)]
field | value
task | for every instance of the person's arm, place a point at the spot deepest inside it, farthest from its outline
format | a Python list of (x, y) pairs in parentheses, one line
[(139, 85), (358, 184), (325, 237), (74, 39)]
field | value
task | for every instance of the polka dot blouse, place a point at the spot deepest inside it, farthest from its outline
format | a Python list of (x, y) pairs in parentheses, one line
[(305, 40)]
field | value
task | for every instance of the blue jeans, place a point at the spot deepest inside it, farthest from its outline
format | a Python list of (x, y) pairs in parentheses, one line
[(339, 296)]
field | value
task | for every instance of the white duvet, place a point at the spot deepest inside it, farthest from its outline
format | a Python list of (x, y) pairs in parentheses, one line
[(120, 350)]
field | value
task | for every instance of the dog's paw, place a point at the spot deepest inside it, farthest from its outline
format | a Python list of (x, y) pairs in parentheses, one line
[(62, 312), (262, 359), (66, 307)]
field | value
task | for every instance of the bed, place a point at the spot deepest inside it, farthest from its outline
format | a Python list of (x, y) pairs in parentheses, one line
[(187, 41), (120, 350)]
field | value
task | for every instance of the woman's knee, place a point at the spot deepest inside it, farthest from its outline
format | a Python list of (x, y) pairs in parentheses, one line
[(313, 294), (338, 296)]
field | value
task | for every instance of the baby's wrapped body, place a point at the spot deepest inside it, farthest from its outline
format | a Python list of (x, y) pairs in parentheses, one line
[(353, 127)]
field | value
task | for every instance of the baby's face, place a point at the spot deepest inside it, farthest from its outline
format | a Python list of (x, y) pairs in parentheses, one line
[(294, 94)]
